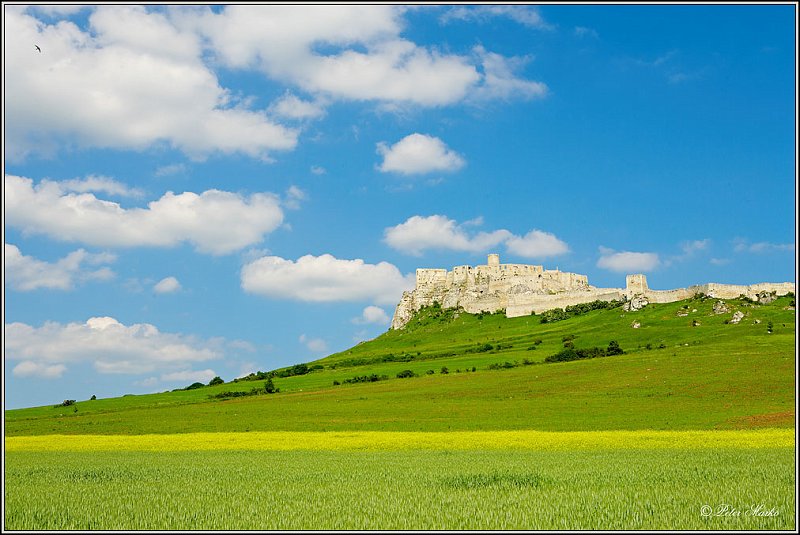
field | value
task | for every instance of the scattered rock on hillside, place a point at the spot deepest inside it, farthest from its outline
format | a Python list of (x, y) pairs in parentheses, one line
[(766, 298), (756, 322), (636, 324), (721, 308), (682, 313), (637, 302), (737, 317)]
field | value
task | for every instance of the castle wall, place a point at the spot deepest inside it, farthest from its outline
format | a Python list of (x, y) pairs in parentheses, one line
[(542, 303), (521, 289)]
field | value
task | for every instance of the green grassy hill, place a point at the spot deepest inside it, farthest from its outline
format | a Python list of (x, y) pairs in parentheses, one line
[(684, 367)]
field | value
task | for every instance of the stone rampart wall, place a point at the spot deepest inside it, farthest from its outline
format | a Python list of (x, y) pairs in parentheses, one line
[(521, 289)]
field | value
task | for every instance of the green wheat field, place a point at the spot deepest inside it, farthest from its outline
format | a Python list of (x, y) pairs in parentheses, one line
[(692, 427)]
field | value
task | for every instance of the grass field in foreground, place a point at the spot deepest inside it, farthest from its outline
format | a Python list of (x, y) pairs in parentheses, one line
[(408, 489)]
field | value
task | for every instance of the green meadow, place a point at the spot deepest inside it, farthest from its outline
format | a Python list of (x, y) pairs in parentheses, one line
[(684, 368)]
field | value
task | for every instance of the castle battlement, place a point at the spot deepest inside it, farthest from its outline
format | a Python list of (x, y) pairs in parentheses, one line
[(520, 289)]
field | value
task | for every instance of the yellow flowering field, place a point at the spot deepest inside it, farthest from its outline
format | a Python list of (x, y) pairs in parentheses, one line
[(393, 441)]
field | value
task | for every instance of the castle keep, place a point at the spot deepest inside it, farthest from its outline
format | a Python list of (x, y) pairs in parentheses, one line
[(520, 289)]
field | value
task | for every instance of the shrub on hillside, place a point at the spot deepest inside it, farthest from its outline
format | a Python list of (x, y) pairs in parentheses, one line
[(270, 388), (444, 370), (503, 365), (216, 381), (569, 354), (366, 379), (406, 373), (194, 386)]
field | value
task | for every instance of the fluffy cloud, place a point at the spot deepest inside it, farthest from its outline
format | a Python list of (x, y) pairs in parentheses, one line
[(317, 345), (369, 61), (372, 314), (536, 244), (131, 80), (499, 80), (418, 154), (28, 368), (167, 285), (27, 273), (136, 77), (324, 278), (104, 342), (100, 184), (627, 262), (291, 107), (216, 222), (420, 233)]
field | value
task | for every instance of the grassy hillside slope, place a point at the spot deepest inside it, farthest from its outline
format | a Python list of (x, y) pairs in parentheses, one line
[(706, 376)]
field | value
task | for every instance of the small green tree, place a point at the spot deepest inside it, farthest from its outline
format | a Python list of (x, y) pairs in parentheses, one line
[(216, 381), (613, 348), (93, 397), (444, 370), (269, 387)]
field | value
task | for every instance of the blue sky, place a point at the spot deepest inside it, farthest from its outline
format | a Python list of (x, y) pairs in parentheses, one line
[(192, 192)]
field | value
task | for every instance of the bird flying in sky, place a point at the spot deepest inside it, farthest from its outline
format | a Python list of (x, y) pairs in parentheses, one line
[(38, 49)]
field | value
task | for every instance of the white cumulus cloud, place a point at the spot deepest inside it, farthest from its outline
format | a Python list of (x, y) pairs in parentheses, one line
[(167, 285), (26, 273), (418, 154), (131, 80), (420, 233), (372, 314), (369, 60), (28, 368), (290, 106), (100, 184), (215, 222), (110, 346), (324, 278), (536, 244), (626, 261)]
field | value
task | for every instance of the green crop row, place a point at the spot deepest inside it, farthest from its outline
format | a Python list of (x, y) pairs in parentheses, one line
[(430, 490)]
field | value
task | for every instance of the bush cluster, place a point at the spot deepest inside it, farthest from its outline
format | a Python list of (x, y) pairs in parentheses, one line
[(587, 353), (363, 379)]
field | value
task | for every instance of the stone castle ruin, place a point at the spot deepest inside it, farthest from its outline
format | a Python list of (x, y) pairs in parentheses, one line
[(520, 289)]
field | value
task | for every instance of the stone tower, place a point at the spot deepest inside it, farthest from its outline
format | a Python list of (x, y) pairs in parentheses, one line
[(493, 260), (636, 284)]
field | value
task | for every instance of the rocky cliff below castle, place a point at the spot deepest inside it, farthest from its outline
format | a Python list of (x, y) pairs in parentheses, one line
[(521, 289)]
